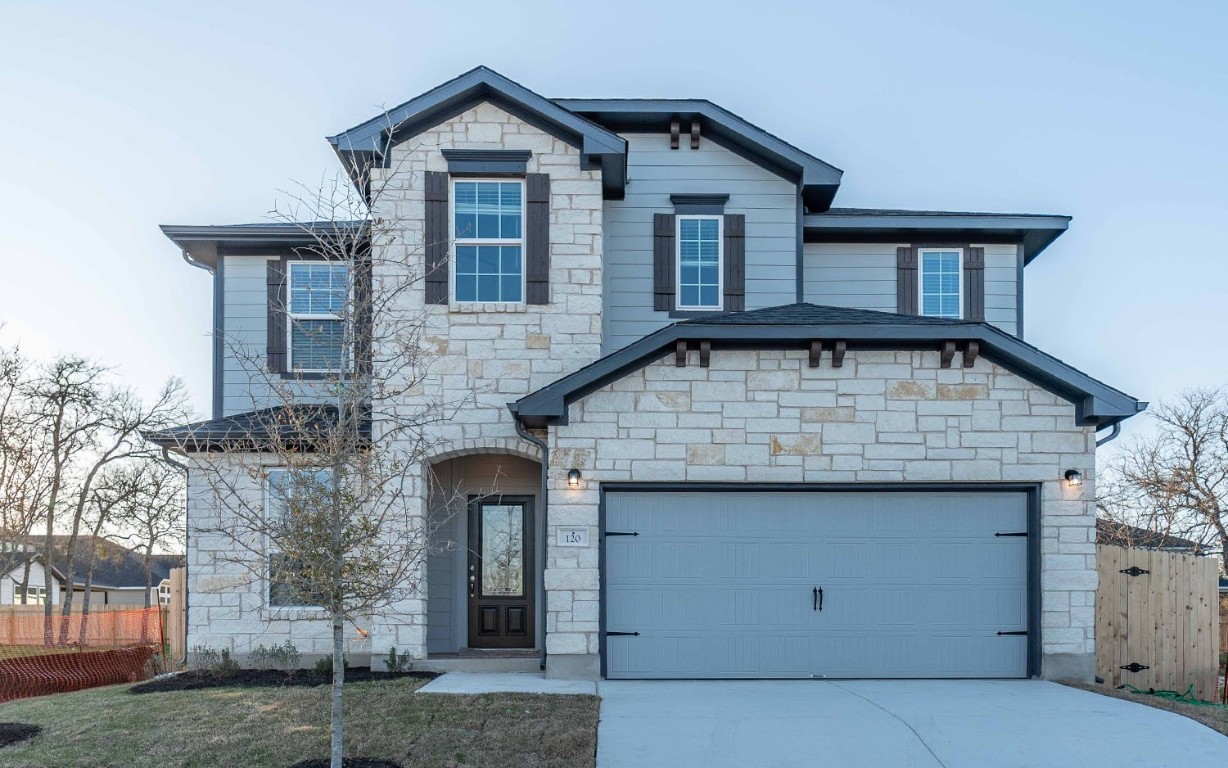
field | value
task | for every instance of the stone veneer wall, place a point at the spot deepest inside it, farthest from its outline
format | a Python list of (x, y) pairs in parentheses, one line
[(883, 417), (487, 355)]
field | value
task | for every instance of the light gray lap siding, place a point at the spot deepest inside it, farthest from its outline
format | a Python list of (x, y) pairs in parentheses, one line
[(245, 378), (862, 276), (768, 201)]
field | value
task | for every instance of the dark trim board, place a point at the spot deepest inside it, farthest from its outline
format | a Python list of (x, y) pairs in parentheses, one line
[(1032, 491)]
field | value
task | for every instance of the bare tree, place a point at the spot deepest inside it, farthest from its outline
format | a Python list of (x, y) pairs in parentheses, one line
[(1175, 482), (90, 423), (153, 514), (340, 456), (23, 469)]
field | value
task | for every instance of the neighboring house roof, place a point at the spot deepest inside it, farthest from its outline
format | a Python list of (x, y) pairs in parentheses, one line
[(819, 180), (1122, 535), (115, 565), (367, 144), (1035, 232), (796, 325), (254, 430)]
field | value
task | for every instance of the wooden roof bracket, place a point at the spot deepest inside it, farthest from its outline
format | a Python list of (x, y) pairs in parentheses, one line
[(675, 129), (970, 352), (705, 353), (680, 353), (816, 353), (695, 133), (837, 354), (948, 353)]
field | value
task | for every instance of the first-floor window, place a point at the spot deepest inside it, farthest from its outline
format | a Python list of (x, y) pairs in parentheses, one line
[(292, 496), (699, 262), (164, 594), (940, 276), (315, 307)]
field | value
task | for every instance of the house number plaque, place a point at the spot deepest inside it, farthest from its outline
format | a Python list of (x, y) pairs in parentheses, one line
[(571, 537)]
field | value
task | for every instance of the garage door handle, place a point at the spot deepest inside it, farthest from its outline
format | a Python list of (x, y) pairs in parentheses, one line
[(818, 598)]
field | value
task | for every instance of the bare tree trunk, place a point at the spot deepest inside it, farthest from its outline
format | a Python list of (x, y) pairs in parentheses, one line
[(85, 597), (25, 581), (338, 687)]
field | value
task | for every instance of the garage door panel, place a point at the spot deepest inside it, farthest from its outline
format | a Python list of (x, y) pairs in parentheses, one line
[(721, 584)]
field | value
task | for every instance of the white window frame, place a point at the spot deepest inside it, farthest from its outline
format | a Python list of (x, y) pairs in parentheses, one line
[(40, 594), (270, 551), (291, 316), (921, 279), (720, 264), (458, 241)]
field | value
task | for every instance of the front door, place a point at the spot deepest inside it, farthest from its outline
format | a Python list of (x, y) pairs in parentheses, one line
[(500, 573)]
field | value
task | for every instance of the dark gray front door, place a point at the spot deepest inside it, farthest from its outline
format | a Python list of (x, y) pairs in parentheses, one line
[(823, 584), (500, 572)]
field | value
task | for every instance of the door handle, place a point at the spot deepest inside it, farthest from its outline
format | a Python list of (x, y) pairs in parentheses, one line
[(472, 585), (818, 598)]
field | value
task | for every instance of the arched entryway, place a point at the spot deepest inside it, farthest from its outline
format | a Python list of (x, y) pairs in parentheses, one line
[(485, 512)]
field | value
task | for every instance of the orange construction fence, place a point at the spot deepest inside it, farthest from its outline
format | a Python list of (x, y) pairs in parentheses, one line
[(40, 655)]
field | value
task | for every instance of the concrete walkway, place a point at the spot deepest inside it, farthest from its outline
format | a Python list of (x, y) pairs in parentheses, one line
[(954, 724), (505, 682)]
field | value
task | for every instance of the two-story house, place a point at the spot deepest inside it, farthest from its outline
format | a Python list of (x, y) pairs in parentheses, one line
[(735, 431)]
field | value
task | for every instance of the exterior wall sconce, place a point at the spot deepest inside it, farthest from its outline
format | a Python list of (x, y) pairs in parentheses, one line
[(573, 478), (1074, 478)]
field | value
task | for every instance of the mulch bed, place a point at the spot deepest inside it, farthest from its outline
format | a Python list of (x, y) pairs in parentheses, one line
[(11, 733), (268, 678), (348, 762)]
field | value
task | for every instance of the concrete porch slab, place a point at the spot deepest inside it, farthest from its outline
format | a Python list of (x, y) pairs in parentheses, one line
[(508, 682)]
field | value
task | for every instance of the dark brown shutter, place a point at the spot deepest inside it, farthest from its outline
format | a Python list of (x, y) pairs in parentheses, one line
[(437, 238), (735, 262), (906, 280), (364, 313), (276, 337), (974, 284), (537, 238), (663, 245)]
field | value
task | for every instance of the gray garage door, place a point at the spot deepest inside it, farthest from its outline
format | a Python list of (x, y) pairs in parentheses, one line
[(913, 584)]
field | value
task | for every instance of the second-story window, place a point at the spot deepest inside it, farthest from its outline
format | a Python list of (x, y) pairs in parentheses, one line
[(699, 262), (315, 307), (941, 290), (488, 221)]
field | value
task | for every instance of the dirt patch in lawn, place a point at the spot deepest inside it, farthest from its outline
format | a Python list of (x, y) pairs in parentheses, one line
[(268, 678), (11, 733), (1213, 716)]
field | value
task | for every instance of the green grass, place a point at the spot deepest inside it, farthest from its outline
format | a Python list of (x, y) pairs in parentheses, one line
[(254, 727)]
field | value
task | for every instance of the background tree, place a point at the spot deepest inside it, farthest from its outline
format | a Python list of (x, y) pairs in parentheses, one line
[(1175, 481), (152, 516), (23, 470), (345, 528)]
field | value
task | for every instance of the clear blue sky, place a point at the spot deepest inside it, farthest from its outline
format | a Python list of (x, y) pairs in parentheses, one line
[(118, 117)]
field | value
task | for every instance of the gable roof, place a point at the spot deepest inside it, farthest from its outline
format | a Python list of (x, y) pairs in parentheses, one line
[(368, 143), (115, 565), (289, 424), (796, 325), (819, 180), (1123, 535), (1034, 231)]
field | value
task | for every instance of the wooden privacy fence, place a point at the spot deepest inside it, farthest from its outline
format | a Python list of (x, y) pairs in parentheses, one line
[(175, 615), (1157, 620)]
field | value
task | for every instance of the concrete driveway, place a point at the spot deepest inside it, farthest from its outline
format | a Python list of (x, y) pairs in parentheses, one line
[(956, 724)]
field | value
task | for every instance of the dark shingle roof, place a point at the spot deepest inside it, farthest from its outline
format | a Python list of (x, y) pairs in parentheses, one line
[(819, 314), (1122, 535), (288, 426), (114, 564)]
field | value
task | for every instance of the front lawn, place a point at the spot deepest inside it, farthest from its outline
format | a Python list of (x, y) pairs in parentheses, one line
[(277, 727)]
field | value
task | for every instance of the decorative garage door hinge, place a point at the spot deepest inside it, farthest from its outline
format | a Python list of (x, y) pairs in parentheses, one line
[(622, 634), (622, 533), (1134, 570), (1014, 632), (1134, 666), (1013, 533)]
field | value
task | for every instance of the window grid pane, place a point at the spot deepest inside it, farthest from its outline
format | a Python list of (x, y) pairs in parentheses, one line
[(940, 284), (316, 345), (489, 211), (699, 263), (317, 302)]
